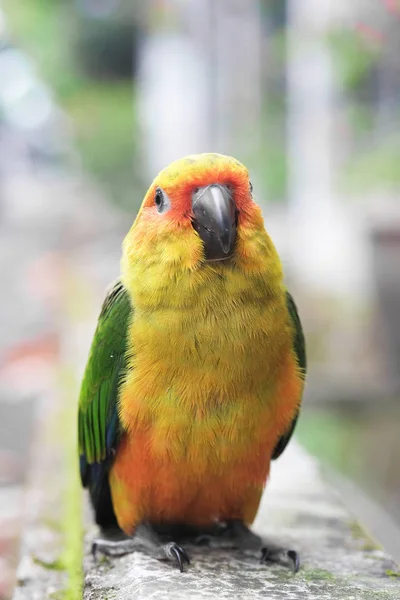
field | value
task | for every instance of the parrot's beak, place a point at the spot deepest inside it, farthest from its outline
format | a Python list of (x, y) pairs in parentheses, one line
[(214, 219)]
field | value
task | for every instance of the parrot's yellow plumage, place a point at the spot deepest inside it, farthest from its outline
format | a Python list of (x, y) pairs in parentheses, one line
[(213, 363)]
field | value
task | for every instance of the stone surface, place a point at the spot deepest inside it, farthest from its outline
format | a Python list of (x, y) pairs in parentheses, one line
[(38, 575), (339, 561)]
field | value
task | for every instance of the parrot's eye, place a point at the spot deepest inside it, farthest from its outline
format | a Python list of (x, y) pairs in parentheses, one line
[(161, 201)]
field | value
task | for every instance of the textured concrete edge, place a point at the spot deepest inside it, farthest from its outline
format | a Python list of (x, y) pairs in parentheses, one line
[(72, 556), (48, 566), (374, 520)]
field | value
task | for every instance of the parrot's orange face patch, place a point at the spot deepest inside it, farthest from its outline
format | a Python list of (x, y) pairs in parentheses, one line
[(170, 196), (197, 215)]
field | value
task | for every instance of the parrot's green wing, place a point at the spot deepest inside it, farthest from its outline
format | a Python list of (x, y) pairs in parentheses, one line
[(299, 347), (98, 422)]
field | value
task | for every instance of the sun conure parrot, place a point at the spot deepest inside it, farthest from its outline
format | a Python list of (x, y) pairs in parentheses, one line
[(196, 370)]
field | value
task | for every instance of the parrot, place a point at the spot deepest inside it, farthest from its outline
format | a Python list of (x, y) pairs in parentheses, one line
[(196, 372)]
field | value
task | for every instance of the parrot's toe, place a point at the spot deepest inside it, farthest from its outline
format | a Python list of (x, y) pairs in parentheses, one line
[(113, 548), (274, 554), (145, 539), (176, 553)]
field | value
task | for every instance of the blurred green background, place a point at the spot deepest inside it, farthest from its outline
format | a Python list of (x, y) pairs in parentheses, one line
[(88, 61)]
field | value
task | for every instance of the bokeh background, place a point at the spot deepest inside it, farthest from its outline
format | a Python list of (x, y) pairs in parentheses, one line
[(97, 95)]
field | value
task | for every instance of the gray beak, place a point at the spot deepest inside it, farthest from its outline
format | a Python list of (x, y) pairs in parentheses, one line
[(214, 219)]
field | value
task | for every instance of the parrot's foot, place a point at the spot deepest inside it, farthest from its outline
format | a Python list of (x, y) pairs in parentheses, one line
[(145, 539), (176, 553), (275, 554), (235, 534)]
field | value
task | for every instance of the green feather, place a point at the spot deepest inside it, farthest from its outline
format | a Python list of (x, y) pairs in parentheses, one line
[(98, 423), (299, 343), (299, 347)]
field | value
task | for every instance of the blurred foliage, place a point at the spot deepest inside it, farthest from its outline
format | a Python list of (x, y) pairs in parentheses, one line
[(329, 436), (276, 11), (105, 47), (270, 154), (359, 61), (275, 114), (102, 111), (359, 441), (376, 167), (268, 158), (353, 59), (104, 120)]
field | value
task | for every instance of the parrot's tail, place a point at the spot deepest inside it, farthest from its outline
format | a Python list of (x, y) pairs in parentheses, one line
[(103, 508), (95, 478)]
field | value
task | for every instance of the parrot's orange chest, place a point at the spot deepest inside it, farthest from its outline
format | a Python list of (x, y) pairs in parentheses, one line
[(158, 487), (205, 401)]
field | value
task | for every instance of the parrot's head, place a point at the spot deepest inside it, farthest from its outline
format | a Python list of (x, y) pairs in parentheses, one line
[(198, 215)]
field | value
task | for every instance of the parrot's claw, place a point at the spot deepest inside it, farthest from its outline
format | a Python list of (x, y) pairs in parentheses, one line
[(145, 539), (295, 560), (274, 554), (175, 552)]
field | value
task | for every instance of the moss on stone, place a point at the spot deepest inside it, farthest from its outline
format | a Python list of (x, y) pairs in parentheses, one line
[(391, 573), (72, 556), (57, 595), (316, 575), (53, 524), (341, 587), (54, 565), (358, 533)]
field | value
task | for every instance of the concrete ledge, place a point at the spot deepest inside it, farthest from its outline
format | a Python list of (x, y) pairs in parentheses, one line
[(51, 553), (339, 561)]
